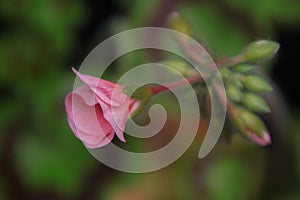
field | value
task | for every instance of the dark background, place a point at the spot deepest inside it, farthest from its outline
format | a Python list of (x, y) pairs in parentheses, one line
[(41, 159)]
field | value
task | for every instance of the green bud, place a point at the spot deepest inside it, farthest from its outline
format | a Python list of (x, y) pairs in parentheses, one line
[(177, 23), (179, 66), (234, 93), (142, 93), (243, 68), (249, 121), (225, 72), (260, 50), (255, 103), (256, 84), (251, 126), (236, 79)]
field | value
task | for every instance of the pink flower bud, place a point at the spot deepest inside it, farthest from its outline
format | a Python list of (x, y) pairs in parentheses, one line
[(97, 110), (251, 126), (263, 141)]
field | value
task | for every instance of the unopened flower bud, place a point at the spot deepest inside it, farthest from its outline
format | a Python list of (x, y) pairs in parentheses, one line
[(252, 127), (236, 79), (256, 84), (264, 140), (255, 102), (243, 68), (260, 50), (234, 93), (225, 72), (177, 23)]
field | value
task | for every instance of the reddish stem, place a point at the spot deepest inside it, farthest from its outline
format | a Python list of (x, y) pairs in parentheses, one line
[(162, 88), (191, 80)]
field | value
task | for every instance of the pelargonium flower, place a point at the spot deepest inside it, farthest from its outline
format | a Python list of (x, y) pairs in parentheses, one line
[(97, 110)]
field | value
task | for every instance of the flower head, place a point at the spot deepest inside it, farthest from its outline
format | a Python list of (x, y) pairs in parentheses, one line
[(97, 110)]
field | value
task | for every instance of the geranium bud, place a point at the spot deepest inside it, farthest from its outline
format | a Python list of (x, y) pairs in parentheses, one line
[(255, 102), (256, 84), (177, 23), (251, 126), (236, 79), (234, 93), (225, 72), (260, 50), (264, 140), (243, 68)]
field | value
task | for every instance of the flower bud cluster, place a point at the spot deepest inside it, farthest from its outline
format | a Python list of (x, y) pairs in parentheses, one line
[(245, 91)]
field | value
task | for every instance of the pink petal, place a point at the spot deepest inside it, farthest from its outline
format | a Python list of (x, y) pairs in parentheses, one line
[(117, 117), (86, 94), (113, 113), (87, 122), (265, 140), (90, 141), (134, 104), (102, 88)]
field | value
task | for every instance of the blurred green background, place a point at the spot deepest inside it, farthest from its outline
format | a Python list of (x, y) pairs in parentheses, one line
[(41, 159)]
